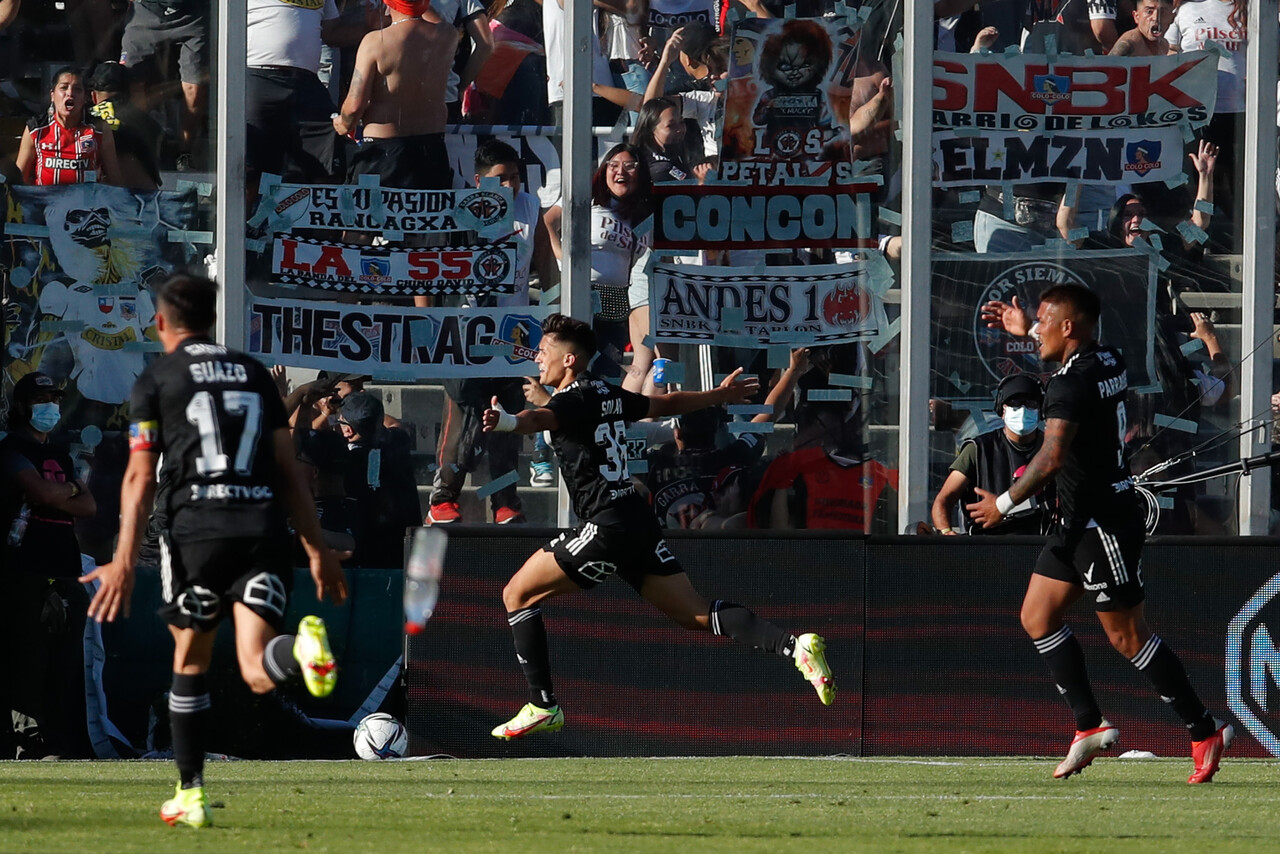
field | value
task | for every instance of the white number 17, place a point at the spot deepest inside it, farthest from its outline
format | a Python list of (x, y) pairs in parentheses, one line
[(202, 412)]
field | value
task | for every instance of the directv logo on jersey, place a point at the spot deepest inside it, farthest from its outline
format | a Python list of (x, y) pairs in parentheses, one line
[(231, 492)]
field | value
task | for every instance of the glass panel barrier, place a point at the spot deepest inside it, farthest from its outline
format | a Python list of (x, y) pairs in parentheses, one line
[(1058, 163), (106, 143)]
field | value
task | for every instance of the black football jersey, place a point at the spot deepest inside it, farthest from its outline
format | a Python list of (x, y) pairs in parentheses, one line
[(213, 413), (1094, 481), (591, 444)]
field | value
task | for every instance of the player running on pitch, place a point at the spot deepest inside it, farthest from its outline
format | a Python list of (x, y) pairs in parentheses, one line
[(1098, 547), (215, 418), (618, 535)]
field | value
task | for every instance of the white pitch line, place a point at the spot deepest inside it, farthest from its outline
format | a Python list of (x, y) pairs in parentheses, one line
[(1109, 796)]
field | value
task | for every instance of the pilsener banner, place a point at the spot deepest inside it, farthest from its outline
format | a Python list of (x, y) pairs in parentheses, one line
[(820, 304), (1089, 118), (387, 271), (394, 342), (969, 359), (284, 207)]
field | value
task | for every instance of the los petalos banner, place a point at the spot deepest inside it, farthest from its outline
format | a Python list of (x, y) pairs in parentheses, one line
[(386, 271), (807, 304), (394, 342)]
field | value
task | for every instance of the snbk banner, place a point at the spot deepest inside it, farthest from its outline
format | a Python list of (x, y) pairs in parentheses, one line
[(969, 359), (395, 343), (384, 271), (1105, 119), (359, 208), (809, 304), (729, 216)]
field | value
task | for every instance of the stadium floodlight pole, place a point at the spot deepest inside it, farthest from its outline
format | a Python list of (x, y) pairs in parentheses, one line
[(232, 38), (577, 165), (1257, 294), (914, 97)]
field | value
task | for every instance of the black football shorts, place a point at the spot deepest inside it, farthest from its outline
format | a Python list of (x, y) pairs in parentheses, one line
[(1108, 565), (200, 580), (593, 553)]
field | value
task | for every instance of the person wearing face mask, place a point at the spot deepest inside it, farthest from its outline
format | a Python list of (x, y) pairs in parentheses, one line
[(994, 460), (44, 607)]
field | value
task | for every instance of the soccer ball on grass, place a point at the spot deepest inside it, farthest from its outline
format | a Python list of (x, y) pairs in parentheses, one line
[(380, 736)]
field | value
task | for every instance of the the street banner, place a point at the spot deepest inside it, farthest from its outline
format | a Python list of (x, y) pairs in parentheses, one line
[(396, 343)]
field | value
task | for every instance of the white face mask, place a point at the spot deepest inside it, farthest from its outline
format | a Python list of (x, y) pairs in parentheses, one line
[(44, 416), (1022, 420)]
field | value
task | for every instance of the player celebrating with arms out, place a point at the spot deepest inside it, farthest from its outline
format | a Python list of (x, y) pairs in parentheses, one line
[(619, 534), (1098, 546), (217, 419)]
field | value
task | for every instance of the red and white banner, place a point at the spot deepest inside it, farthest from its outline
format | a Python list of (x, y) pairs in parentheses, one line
[(386, 271)]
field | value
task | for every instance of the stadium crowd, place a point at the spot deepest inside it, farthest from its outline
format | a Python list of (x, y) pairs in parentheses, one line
[(338, 90)]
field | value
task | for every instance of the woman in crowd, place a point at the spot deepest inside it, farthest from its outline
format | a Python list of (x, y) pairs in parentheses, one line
[(63, 146), (620, 201)]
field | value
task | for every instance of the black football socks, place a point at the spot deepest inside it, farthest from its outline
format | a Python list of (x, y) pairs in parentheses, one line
[(1162, 666), (732, 620), (189, 725), (1062, 653), (278, 660), (530, 637)]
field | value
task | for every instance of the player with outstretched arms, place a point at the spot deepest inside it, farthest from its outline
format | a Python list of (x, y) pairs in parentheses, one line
[(1097, 549), (215, 418), (618, 534)]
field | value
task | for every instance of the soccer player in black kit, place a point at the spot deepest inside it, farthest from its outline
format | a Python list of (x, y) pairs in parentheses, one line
[(216, 419), (1097, 549), (618, 534)]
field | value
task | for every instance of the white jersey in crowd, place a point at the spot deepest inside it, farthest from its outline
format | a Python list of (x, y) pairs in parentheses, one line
[(527, 214), (104, 369), (553, 41), (287, 32), (614, 248), (701, 106), (456, 12), (1199, 21)]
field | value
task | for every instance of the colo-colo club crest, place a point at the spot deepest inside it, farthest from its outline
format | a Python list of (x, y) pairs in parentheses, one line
[(1253, 665), (1003, 354)]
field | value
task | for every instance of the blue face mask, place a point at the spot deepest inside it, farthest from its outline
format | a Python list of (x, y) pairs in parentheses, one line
[(1022, 420), (44, 416)]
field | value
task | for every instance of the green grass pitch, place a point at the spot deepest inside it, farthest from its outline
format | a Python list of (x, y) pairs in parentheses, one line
[(661, 805)]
